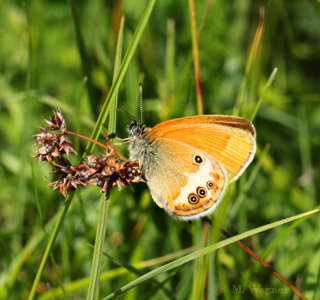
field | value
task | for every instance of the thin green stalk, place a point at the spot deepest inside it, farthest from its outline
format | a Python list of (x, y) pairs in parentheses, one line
[(115, 273), (21, 196), (170, 55), (117, 63), (104, 203), (253, 57), (241, 196), (45, 232), (98, 247), (9, 277), (195, 51), (306, 155), (269, 82), (136, 271), (124, 66), (53, 238), (86, 65), (184, 74)]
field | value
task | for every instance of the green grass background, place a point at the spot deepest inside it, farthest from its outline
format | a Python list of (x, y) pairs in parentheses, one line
[(45, 53)]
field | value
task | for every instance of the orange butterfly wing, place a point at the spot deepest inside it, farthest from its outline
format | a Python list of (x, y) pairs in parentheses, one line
[(230, 140), (184, 187)]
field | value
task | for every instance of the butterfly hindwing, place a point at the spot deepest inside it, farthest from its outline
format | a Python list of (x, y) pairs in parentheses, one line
[(187, 182)]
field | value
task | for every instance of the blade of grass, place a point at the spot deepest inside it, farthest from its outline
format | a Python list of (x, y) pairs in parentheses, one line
[(104, 203), (305, 152), (123, 68), (266, 265), (313, 277), (195, 51), (136, 271), (269, 82), (170, 55), (9, 277), (20, 197), (184, 74), (241, 196), (114, 273), (99, 242), (50, 244), (203, 251), (201, 263), (86, 66), (276, 241), (48, 100), (117, 63), (44, 230), (167, 92), (252, 57)]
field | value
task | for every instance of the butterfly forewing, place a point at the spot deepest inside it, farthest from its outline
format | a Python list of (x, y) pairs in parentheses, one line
[(230, 140)]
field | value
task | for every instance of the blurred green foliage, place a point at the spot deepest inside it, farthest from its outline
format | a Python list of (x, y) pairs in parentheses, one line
[(43, 61)]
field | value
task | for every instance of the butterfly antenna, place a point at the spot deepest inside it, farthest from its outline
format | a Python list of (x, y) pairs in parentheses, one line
[(141, 110), (123, 110)]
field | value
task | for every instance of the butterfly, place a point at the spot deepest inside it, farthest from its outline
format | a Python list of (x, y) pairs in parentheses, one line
[(188, 162)]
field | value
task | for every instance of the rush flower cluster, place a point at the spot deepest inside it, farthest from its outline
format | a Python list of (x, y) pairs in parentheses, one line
[(104, 172)]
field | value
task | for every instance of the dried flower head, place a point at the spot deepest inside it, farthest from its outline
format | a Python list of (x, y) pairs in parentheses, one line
[(57, 122), (104, 172), (52, 145), (131, 171), (49, 146)]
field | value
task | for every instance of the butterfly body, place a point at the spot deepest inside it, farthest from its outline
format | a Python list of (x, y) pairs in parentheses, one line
[(188, 162)]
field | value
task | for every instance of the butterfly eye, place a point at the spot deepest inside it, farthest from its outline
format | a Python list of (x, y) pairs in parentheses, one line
[(210, 185), (201, 191), (193, 198), (198, 159)]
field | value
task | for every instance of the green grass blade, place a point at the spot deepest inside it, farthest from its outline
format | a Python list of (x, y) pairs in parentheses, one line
[(117, 63), (115, 273), (276, 241), (99, 243), (269, 82), (53, 238), (86, 66), (8, 278), (44, 228), (253, 61), (306, 154), (241, 196), (195, 51), (136, 271), (124, 66), (21, 190), (104, 203), (204, 251)]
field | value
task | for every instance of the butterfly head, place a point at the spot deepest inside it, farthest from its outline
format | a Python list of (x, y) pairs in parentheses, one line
[(135, 128)]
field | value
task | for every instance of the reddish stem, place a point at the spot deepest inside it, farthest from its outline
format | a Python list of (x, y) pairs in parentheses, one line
[(260, 260), (86, 138), (115, 151)]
